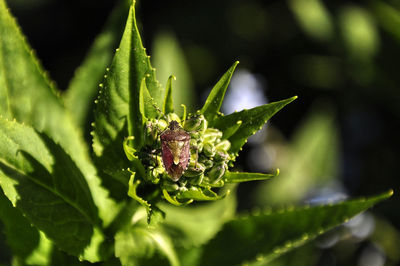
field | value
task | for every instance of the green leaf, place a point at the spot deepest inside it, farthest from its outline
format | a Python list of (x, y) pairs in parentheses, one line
[(314, 18), (43, 182), (84, 85), (214, 100), (118, 101), (113, 165), (203, 194), (238, 177), (27, 95), (48, 254), (42, 254), (147, 106), (141, 245), (21, 236), (60, 258), (169, 58), (268, 235), (22, 80), (310, 160), (132, 193), (117, 113), (189, 256), (252, 121), (174, 201), (387, 15), (168, 100), (228, 132)]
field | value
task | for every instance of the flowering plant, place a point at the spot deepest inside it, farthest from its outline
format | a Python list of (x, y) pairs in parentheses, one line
[(59, 204)]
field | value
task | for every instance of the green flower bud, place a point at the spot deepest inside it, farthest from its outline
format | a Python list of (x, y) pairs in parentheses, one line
[(206, 162), (209, 150), (158, 171), (193, 172), (198, 166), (217, 172), (194, 151), (203, 126), (170, 186), (151, 177), (199, 147), (196, 136), (221, 156), (194, 156), (151, 134), (195, 123), (211, 135), (197, 180), (173, 116), (223, 145), (207, 183), (161, 125)]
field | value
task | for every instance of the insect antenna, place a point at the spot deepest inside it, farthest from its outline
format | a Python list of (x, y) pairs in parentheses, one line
[(159, 111)]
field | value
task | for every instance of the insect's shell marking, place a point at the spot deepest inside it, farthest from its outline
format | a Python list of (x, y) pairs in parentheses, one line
[(175, 150)]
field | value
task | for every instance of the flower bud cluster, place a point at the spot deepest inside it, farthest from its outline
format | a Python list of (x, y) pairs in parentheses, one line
[(209, 154)]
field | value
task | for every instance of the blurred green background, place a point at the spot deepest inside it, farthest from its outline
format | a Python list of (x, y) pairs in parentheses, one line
[(342, 58)]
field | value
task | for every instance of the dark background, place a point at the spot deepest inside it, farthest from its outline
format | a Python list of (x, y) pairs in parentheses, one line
[(350, 63)]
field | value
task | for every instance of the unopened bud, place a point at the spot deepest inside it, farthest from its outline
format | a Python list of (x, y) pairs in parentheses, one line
[(209, 150), (192, 172), (161, 124), (217, 172), (196, 136), (221, 156), (200, 166), (197, 180), (193, 123), (173, 117), (200, 146), (206, 162), (211, 135), (151, 133), (169, 186), (223, 145)]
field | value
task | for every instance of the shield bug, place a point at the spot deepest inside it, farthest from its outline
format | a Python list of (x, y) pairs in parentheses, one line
[(175, 150)]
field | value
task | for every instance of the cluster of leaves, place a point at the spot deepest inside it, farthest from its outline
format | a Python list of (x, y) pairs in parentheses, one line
[(59, 203)]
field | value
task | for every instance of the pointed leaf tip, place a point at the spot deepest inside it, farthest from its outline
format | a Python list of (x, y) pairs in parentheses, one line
[(118, 113), (214, 100), (271, 231), (239, 177), (252, 121), (168, 100)]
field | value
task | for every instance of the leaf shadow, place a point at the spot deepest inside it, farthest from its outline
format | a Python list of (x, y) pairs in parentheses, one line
[(57, 200), (112, 164), (22, 238)]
